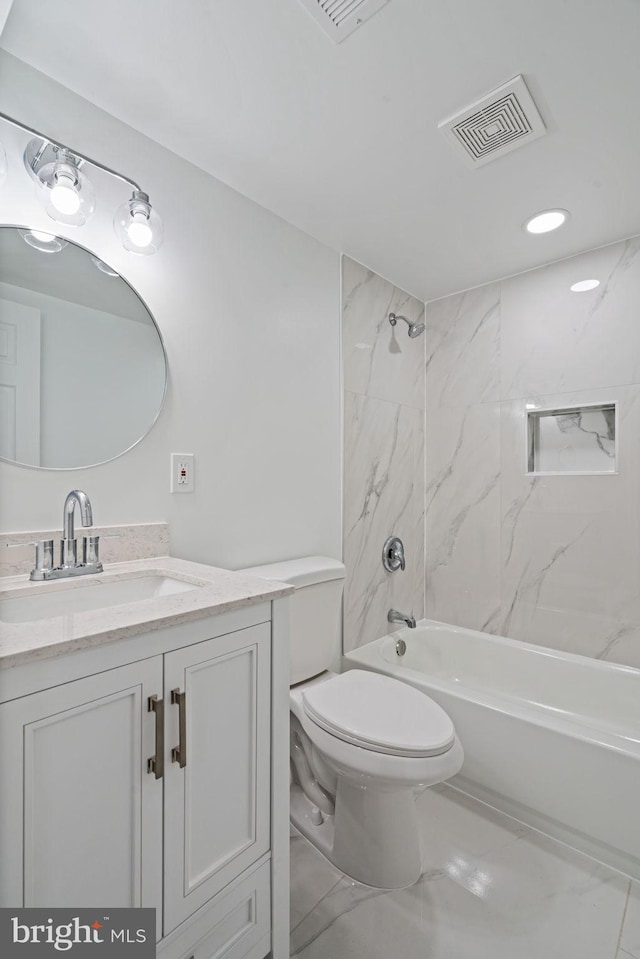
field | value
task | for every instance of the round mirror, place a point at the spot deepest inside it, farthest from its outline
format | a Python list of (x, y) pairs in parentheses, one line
[(82, 365)]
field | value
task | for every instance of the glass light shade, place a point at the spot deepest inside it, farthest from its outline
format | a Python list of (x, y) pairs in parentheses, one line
[(45, 242), (138, 226), (64, 195), (67, 194), (3, 164)]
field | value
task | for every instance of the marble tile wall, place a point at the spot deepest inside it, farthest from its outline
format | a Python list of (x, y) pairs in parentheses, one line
[(384, 404), (553, 560)]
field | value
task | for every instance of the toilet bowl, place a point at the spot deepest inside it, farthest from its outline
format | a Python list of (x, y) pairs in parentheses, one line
[(363, 745)]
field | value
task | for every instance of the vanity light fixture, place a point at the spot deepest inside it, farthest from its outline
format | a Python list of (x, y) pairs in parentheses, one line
[(546, 221), (44, 242), (137, 225), (582, 286), (68, 194)]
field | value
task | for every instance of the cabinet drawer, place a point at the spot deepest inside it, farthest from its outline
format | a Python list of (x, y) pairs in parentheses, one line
[(231, 926)]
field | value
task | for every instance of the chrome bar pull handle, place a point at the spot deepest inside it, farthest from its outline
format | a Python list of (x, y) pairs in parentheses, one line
[(179, 752), (156, 763)]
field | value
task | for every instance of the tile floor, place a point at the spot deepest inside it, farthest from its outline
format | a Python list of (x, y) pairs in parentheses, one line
[(492, 889)]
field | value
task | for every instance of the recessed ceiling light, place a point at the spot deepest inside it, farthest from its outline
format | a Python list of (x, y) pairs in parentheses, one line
[(546, 221), (583, 285)]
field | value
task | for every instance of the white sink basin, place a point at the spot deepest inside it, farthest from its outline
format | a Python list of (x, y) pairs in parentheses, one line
[(78, 596)]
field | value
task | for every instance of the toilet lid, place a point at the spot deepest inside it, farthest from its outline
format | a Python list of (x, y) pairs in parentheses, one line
[(379, 713)]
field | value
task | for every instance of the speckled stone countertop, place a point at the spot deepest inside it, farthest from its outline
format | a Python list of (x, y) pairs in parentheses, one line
[(219, 591)]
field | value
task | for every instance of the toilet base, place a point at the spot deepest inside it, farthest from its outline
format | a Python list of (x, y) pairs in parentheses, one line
[(373, 836), (303, 817)]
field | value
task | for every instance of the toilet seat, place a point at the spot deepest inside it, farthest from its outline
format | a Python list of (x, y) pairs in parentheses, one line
[(379, 713)]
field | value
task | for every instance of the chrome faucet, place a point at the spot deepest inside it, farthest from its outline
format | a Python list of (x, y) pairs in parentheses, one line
[(69, 543), (393, 616), (69, 565)]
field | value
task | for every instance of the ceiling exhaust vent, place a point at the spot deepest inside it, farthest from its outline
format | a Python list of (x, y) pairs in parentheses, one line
[(501, 122), (339, 18)]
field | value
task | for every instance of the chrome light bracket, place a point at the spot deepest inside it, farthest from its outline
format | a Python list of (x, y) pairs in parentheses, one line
[(38, 153)]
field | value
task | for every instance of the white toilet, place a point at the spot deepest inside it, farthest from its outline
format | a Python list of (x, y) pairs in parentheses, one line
[(363, 745)]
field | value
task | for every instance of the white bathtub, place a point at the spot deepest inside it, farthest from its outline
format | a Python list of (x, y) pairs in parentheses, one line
[(550, 738)]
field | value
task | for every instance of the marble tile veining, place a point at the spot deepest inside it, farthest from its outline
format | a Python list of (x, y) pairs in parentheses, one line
[(551, 558), (492, 889), (463, 515), (379, 492), (419, 514), (380, 360), (384, 452), (463, 348), (548, 559), (557, 341), (570, 562)]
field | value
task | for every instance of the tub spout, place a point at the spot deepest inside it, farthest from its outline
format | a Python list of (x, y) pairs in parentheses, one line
[(393, 616)]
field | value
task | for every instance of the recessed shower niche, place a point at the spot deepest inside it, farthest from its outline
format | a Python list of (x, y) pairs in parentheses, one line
[(574, 439)]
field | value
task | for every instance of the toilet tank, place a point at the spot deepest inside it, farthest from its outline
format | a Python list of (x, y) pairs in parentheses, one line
[(316, 611)]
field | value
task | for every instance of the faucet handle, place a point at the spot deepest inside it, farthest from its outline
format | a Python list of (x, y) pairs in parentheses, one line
[(91, 552), (393, 554), (44, 556), (44, 551)]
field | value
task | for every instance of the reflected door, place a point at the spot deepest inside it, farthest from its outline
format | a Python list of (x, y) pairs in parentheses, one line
[(19, 382)]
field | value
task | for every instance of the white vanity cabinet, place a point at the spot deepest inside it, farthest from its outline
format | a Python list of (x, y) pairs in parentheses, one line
[(217, 804), (149, 784), (80, 818)]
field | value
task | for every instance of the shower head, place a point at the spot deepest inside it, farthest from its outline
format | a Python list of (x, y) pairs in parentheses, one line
[(415, 329)]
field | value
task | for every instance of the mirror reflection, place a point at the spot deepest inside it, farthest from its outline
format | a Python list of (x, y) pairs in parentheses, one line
[(82, 365)]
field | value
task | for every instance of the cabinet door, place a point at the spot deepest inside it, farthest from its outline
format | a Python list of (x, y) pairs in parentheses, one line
[(217, 804), (73, 787)]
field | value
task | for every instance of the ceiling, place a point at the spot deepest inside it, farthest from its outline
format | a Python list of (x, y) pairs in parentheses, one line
[(342, 140)]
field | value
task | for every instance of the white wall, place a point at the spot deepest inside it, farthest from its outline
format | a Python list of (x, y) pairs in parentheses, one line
[(249, 311)]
